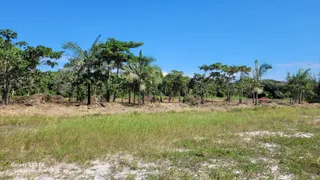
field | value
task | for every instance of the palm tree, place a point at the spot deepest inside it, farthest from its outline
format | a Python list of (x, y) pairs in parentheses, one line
[(258, 72), (83, 61), (153, 80), (139, 69), (300, 84)]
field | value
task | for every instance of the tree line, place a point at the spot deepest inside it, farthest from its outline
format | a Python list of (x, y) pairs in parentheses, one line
[(110, 70)]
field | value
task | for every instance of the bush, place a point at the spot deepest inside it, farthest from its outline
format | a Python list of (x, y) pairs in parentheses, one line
[(220, 94), (191, 100), (47, 97)]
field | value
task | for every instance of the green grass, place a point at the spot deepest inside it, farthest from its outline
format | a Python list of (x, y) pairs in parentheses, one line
[(205, 136)]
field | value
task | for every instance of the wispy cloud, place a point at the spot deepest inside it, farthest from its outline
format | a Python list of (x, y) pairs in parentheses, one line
[(61, 62), (300, 65), (164, 73)]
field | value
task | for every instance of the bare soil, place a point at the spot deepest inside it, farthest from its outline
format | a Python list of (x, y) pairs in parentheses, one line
[(76, 109), (51, 109)]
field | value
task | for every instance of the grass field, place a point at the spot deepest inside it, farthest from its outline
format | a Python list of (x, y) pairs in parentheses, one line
[(254, 143)]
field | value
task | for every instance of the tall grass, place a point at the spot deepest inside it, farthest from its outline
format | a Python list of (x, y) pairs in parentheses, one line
[(90, 137)]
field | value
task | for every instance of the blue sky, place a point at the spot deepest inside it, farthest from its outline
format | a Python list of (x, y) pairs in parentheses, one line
[(181, 34)]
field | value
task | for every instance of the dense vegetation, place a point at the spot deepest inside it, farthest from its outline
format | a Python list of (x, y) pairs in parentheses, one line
[(110, 70)]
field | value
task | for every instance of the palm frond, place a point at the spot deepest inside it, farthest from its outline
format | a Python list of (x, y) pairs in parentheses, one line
[(94, 46), (75, 48), (264, 68)]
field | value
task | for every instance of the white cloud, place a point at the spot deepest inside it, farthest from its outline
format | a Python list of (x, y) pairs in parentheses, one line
[(164, 73)]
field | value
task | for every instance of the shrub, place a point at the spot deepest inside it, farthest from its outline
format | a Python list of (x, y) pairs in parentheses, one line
[(220, 94), (190, 100), (47, 97)]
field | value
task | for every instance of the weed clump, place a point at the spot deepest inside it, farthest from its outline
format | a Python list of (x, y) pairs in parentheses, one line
[(191, 100)]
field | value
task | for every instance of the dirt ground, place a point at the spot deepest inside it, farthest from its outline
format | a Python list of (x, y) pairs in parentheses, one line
[(51, 109)]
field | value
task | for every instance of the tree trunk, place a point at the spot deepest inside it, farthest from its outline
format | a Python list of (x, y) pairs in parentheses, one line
[(129, 96), (139, 103), (240, 97), (78, 94), (12, 94), (5, 91), (5, 88), (154, 98), (4, 97), (89, 93), (256, 98), (142, 98), (229, 96), (114, 96), (253, 97), (122, 97), (108, 94), (300, 98), (134, 97), (115, 91)]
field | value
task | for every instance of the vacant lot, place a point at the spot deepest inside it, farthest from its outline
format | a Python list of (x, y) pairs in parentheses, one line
[(54, 110), (255, 143)]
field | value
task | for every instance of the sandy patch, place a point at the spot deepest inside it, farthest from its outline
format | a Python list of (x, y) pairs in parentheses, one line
[(269, 146), (268, 133), (118, 167)]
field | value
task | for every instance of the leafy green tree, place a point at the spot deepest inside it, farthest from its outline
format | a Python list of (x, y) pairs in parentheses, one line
[(83, 62), (175, 84), (41, 82), (17, 60), (301, 84), (223, 75), (244, 84), (105, 68), (154, 79), (200, 85), (125, 86), (280, 94), (117, 53), (317, 89), (273, 87), (229, 73), (64, 83)]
